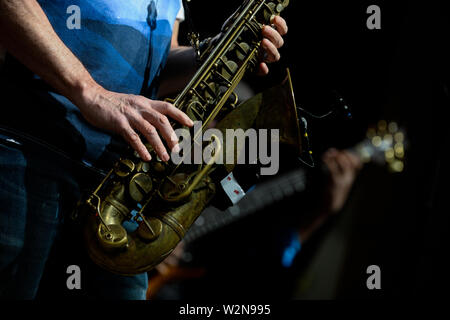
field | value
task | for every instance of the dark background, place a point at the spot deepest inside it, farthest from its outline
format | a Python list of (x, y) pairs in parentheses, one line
[(398, 222)]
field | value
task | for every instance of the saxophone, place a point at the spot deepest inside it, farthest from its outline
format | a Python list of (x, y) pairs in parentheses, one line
[(164, 199)]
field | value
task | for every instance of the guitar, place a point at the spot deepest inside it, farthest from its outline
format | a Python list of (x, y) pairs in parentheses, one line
[(384, 145)]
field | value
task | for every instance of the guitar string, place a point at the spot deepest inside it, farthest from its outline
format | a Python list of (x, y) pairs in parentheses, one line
[(295, 181)]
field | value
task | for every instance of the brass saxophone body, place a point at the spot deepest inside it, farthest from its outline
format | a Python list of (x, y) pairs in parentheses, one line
[(165, 199)]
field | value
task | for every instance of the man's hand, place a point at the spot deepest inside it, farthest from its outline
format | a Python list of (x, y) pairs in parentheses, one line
[(344, 167), (128, 115), (172, 260), (273, 40), (26, 33)]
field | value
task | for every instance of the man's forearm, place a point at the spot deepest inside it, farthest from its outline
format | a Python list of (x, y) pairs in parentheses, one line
[(27, 34)]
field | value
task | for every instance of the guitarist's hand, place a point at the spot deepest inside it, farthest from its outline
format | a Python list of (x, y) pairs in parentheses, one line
[(344, 167), (169, 271), (172, 260)]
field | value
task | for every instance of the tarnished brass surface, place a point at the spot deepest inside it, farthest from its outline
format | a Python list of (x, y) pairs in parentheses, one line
[(163, 198), (272, 109), (140, 253)]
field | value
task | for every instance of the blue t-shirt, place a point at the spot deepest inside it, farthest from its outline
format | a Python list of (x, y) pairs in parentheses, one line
[(117, 41)]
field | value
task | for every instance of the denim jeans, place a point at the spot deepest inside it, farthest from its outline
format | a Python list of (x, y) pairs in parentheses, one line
[(36, 244)]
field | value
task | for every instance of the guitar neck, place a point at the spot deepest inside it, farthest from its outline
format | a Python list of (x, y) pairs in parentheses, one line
[(383, 145), (263, 195)]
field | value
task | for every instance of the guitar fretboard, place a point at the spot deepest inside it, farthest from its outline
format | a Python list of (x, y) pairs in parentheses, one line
[(384, 144), (263, 195)]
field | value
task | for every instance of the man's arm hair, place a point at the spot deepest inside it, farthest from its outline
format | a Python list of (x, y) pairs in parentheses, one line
[(27, 34)]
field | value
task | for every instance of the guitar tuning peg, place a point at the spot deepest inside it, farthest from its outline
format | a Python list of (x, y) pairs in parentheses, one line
[(399, 150), (376, 141), (392, 127), (371, 133), (399, 137), (388, 139), (389, 155), (397, 166), (382, 125)]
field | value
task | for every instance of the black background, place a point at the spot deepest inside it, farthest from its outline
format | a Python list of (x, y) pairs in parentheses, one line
[(397, 73), (399, 222)]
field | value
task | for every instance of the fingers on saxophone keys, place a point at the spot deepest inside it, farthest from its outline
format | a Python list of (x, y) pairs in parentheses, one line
[(263, 69), (161, 122), (270, 33), (271, 52), (173, 112), (134, 140), (151, 134), (153, 138), (280, 25), (167, 109)]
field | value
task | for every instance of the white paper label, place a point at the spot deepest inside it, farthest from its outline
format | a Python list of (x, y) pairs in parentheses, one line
[(232, 188)]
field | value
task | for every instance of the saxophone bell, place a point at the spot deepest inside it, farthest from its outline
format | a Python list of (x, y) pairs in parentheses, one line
[(142, 210)]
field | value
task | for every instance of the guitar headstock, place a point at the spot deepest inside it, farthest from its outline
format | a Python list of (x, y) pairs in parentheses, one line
[(385, 145)]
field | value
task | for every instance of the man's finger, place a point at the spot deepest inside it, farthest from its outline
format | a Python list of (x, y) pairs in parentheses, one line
[(340, 165), (263, 69), (332, 167), (354, 160), (272, 52), (133, 139), (280, 25), (173, 112), (161, 122), (162, 268), (271, 34), (151, 134), (344, 162)]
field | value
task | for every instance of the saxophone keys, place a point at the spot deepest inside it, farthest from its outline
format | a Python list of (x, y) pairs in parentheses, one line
[(279, 8), (124, 168), (112, 237), (140, 186), (284, 3), (159, 167), (242, 50), (143, 167), (149, 229), (229, 69), (269, 12)]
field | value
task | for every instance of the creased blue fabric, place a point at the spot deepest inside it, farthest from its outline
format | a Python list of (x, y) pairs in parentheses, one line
[(113, 43)]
